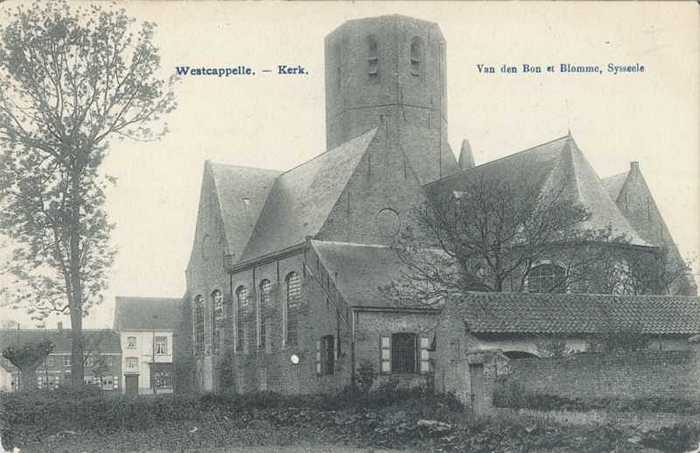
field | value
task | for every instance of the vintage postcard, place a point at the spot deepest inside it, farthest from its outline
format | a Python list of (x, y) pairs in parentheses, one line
[(349, 226)]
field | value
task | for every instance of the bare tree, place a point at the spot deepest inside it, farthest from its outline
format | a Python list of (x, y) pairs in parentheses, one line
[(70, 78), (492, 233)]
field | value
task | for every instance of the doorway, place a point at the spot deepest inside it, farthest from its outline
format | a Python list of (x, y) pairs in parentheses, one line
[(477, 395), (131, 384)]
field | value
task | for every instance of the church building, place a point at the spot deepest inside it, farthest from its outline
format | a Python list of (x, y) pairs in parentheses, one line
[(283, 277)]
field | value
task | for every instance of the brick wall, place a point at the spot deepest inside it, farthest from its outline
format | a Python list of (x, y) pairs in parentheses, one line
[(371, 325), (639, 374)]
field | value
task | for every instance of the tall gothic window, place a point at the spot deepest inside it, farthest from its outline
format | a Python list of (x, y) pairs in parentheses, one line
[(217, 319), (293, 304), (416, 57), (199, 324), (372, 58), (263, 309), (241, 317), (547, 278)]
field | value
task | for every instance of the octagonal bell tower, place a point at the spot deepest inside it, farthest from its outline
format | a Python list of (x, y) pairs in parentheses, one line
[(387, 68)]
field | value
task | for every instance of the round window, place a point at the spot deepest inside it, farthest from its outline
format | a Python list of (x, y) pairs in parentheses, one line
[(388, 222)]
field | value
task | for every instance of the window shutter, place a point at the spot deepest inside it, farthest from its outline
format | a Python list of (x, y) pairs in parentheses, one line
[(385, 358), (318, 357), (424, 355)]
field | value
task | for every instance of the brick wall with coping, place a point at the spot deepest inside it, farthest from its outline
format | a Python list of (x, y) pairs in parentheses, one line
[(637, 374)]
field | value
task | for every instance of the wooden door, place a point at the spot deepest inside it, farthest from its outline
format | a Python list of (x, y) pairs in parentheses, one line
[(131, 383), (476, 376)]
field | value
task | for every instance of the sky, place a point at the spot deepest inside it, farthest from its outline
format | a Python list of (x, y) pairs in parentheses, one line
[(277, 122)]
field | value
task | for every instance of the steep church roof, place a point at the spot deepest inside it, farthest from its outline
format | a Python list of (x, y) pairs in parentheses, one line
[(241, 193), (301, 199), (557, 165), (613, 184)]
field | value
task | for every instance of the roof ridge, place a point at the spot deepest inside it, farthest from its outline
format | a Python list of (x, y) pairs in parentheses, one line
[(327, 151), (352, 244), (461, 173), (516, 295), (624, 173), (246, 167)]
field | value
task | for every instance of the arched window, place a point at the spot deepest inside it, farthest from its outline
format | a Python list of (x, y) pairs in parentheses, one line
[(217, 320), (292, 309), (198, 324), (241, 317), (416, 57), (547, 278), (372, 58), (263, 308)]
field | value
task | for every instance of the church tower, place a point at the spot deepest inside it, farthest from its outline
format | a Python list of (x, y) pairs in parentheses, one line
[(390, 69)]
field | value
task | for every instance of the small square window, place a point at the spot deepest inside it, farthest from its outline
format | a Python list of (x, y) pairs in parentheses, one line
[(131, 342)]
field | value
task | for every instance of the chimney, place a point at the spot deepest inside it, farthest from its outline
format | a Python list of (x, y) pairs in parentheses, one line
[(466, 158), (634, 166), (59, 326)]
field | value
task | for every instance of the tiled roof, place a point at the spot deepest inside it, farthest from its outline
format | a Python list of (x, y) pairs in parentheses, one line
[(555, 165), (523, 313), (146, 313), (241, 192), (107, 341), (302, 198)]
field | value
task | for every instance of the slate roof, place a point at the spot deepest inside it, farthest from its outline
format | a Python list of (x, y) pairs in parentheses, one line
[(358, 270), (108, 340), (241, 192), (301, 199), (524, 313), (555, 165), (146, 313), (613, 184)]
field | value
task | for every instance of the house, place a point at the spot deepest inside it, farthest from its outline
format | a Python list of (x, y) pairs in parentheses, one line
[(101, 357), (147, 330), (283, 275)]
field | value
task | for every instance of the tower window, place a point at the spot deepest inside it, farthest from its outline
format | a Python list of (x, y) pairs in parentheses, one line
[(416, 57), (372, 58)]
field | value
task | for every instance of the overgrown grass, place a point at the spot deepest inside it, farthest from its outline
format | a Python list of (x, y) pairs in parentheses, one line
[(515, 396), (385, 417)]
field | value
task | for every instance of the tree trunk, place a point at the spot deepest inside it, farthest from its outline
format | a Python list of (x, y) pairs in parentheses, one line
[(76, 298), (28, 379)]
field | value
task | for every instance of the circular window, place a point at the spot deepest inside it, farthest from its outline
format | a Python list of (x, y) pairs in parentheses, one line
[(388, 222)]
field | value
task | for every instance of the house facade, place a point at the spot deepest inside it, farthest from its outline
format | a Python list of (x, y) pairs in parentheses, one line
[(146, 328), (284, 273), (101, 358)]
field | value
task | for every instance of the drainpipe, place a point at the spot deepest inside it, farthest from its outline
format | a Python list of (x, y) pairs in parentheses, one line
[(352, 348)]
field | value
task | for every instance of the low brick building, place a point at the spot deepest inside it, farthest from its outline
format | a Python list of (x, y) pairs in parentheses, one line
[(283, 276), (587, 340), (101, 357)]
